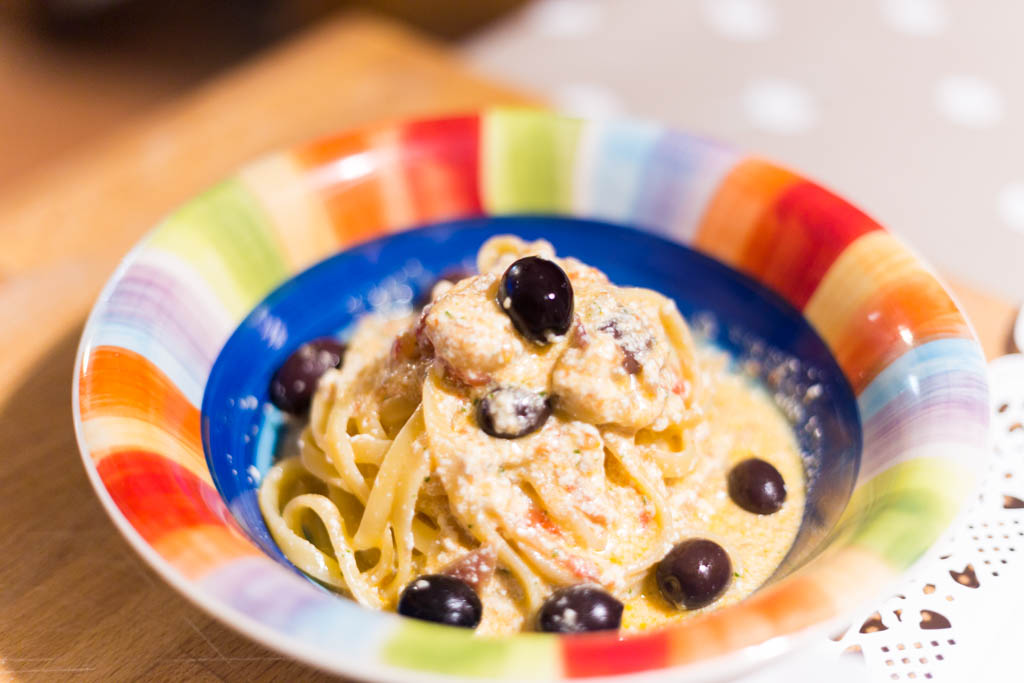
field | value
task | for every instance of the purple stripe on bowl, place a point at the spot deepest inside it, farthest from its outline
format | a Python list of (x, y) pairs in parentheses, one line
[(947, 413), (681, 175), (279, 599), (153, 312)]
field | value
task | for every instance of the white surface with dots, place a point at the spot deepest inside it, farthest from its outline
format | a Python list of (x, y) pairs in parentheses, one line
[(913, 109), (564, 18), (1011, 205), (740, 19), (958, 617), (969, 101), (779, 106), (916, 17)]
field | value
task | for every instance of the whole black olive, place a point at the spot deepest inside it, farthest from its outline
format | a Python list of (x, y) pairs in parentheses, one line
[(292, 386), (756, 486), (695, 573), (580, 608), (537, 295), (441, 599)]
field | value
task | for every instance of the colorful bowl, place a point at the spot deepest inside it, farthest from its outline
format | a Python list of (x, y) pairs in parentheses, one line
[(767, 336), (898, 344)]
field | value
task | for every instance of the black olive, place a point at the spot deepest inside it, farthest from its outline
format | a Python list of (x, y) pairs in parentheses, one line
[(695, 573), (537, 295), (451, 275), (441, 599), (579, 608), (756, 486), (511, 412), (293, 384)]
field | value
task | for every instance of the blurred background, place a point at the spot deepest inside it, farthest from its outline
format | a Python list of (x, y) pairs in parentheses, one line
[(114, 111), (914, 109)]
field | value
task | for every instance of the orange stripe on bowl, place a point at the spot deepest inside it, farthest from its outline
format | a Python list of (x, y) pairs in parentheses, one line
[(832, 585), (116, 382), (878, 301), (397, 204), (388, 179), (789, 606), (344, 170), (304, 231), (801, 238), (796, 604), (126, 402), (198, 549), (739, 206), (784, 231), (108, 436)]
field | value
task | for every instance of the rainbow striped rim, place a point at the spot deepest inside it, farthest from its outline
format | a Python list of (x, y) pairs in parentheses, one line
[(152, 338)]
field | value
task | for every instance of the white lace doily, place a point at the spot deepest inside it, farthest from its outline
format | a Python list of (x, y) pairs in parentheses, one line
[(958, 618)]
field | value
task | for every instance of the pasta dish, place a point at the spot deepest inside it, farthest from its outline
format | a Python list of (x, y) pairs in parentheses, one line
[(537, 448)]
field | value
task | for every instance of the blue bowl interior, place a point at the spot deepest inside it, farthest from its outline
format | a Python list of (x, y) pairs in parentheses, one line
[(761, 331)]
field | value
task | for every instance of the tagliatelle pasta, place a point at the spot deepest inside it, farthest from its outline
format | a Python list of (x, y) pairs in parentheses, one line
[(580, 457)]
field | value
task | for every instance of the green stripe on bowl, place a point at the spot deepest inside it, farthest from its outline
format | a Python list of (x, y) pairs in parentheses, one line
[(909, 505), (456, 652), (224, 234), (528, 161)]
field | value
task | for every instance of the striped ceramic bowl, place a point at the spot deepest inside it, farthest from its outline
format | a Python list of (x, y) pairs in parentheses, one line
[(904, 348)]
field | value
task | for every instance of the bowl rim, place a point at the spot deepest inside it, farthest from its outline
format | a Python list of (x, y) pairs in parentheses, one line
[(745, 655)]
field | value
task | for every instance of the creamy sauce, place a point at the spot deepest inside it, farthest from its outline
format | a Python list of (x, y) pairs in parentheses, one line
[(633, 459)]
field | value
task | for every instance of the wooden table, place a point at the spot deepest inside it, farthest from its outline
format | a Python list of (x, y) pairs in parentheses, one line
[(74, 598)]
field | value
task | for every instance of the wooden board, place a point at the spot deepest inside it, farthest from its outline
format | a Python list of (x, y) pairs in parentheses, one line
[(74, 599)]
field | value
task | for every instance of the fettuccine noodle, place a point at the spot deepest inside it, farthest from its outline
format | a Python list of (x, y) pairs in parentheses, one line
[(394, 477)]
